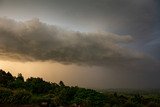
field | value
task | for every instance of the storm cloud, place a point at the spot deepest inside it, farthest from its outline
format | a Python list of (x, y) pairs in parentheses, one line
[(34, 40)]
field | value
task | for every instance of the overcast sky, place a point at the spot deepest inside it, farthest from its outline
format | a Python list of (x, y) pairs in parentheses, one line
[(90, 43)]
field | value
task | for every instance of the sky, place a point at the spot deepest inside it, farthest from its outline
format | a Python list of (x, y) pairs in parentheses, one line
[(89, 43)]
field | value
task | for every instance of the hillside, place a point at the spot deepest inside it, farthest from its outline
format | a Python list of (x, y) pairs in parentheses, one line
[(35, 92)]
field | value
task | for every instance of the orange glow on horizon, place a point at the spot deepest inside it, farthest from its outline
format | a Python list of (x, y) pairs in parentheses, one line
[(72, 75)]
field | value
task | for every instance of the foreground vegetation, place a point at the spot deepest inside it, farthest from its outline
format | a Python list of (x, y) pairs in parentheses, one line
[(34, 91)]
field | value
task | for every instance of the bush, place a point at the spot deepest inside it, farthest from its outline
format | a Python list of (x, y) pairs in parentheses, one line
[(21, 97), (5, 95), (88, 97)]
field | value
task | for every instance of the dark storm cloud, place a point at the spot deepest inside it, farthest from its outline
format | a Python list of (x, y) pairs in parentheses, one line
[(134, 17), (34, 40), (120, 16)]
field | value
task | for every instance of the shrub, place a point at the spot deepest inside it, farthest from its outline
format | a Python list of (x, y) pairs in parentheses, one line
[(5, 95), (21, 97)]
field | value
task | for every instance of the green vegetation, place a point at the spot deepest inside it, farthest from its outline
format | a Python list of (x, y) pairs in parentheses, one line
[(34, 91), (14, 90)]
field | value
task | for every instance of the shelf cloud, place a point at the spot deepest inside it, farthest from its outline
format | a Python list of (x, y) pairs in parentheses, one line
[(34, 40)]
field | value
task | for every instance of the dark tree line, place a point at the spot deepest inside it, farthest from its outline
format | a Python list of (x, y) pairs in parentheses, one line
[(16, 90)]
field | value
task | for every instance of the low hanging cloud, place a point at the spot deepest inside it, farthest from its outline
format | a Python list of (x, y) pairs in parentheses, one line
[(36, 41)]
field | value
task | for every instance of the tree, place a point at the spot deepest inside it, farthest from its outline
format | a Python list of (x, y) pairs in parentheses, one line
[(21, 97), (88, 97), (5, 95), (5, 78), (20, 77), (38, 86), (18, 82), (61, 84), (137, 99)]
